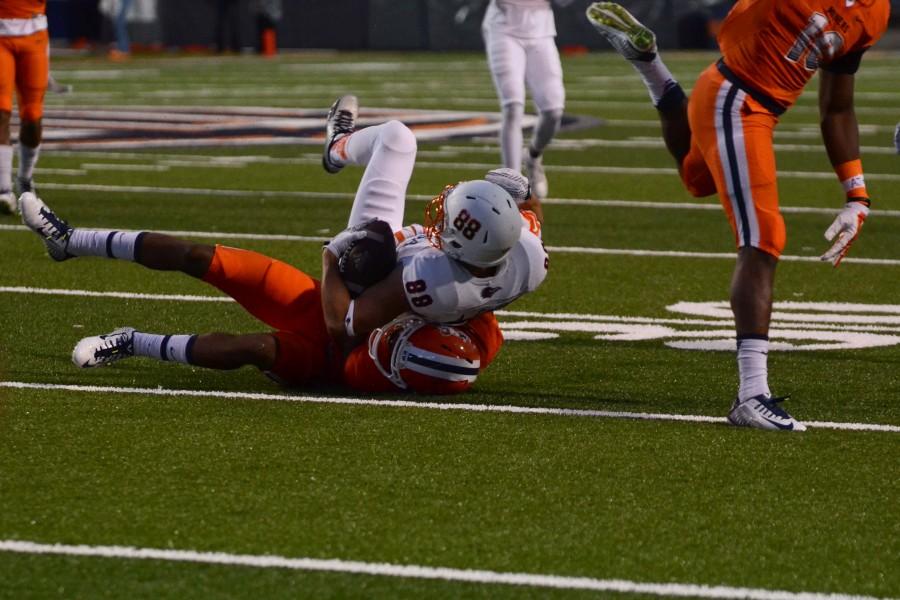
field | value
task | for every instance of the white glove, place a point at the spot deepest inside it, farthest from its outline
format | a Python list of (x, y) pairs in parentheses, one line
[(515, 184), (339, 243), (846, 228)]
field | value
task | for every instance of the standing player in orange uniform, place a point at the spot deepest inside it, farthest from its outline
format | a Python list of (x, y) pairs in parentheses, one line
[(722, 141), (25, 67)]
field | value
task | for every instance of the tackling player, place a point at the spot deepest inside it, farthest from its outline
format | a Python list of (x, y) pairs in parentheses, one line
[(25, 67), (722, 141), (519, 39), (477, 253)]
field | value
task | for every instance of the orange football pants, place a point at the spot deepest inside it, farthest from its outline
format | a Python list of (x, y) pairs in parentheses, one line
[(732, 154), (290, 301), (25, 67)]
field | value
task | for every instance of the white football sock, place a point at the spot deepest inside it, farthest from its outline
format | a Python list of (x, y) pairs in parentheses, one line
[(176, 348), (752, 358), (28, 158), (656, 76), (101, 242), (511, 136), (6, 158), (546, 128)]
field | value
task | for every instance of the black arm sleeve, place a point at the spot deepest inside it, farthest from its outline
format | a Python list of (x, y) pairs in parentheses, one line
[(848, 64)]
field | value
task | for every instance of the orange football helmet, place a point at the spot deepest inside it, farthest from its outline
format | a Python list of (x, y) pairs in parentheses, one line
[(425, 358)]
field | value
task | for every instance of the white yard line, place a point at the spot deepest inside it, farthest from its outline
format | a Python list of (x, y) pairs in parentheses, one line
[(443, 406), (552, 249), (580, 144), (183, 191), (382, 569), (123, 167), (720, 320)]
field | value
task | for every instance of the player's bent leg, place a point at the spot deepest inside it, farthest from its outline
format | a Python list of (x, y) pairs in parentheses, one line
[(340, 123), (389, 153), (165, 253), (301, 360), (152, 250), (637, 44), (695, 173), (362, 375), (274, 292), (225, 351), (220, 351)]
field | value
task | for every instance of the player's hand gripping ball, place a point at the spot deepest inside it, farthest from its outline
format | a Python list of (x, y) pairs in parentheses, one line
[(368, 258)]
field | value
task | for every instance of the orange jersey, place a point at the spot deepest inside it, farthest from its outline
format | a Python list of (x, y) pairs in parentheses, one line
[(775, 46), (22, 9)]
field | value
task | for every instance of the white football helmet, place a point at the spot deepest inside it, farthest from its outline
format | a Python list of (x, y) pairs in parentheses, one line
[(475, 222)]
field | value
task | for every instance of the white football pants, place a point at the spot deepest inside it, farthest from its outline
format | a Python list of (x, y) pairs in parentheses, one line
[(516, 62), (388, 151)]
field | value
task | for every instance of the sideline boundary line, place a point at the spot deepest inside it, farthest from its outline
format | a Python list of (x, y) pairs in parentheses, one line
[(444, 406), (354, 567)]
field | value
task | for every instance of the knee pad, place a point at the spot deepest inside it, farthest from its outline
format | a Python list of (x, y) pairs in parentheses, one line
[(398, 137), (554, 115), (513, 112)]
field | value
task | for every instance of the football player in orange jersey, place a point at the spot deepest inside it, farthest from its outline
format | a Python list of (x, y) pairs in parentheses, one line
[(722, 141), (25, 67)]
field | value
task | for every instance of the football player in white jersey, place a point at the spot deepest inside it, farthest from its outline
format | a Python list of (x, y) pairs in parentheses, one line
[(478, 253), (521, 49)]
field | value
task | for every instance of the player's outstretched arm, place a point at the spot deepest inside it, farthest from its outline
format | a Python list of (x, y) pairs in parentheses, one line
[(840, 132), (347, 320)]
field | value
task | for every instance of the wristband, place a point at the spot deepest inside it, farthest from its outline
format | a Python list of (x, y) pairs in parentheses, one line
[(851, 175), (348, 320)]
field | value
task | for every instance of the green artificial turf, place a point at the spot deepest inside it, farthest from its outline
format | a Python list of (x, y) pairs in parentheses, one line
[(646, 501)]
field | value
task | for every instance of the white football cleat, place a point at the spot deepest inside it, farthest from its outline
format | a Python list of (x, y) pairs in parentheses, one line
[(628, 36), (100, 350), (7, 203), (534, 171), (763, 412), (40, 219), (340, 123)]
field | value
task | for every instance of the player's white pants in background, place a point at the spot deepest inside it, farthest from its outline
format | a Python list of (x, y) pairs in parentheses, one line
[(516, 62), (388, 151)]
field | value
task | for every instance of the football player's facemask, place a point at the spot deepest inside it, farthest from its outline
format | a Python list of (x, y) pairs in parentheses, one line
[(475, 222), (425, 358)]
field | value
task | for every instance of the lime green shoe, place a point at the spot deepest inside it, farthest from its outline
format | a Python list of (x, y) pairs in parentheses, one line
[(626, 34)]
